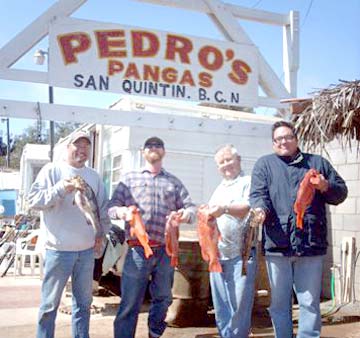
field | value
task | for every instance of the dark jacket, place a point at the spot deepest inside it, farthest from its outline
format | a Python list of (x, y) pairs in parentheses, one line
[(274, 185)]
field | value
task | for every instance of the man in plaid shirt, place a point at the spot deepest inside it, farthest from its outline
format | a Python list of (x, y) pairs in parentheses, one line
[(156, 193)]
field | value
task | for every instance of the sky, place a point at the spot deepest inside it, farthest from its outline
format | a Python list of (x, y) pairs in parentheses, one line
[(329, 43)]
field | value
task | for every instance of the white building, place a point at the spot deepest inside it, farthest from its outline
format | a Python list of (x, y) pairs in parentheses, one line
[(33, 158), (189, 153)]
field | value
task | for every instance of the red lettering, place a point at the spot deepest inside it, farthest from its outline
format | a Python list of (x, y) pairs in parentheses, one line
[(240, 71), (205, 55), (169, 75), (151, 73), (115, 67), (110, 43), (132, 71), (187, 79), (178, 45), (205, 80), (144, 44), (73, 44)]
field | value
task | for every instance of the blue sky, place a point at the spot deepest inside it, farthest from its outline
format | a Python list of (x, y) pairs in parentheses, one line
[(329, 46)]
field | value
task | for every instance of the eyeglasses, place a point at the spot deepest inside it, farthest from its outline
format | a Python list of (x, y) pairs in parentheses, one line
[(155, 145), (284, 138)]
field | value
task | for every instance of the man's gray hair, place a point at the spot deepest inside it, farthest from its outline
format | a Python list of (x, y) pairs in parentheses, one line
[(227, 146)]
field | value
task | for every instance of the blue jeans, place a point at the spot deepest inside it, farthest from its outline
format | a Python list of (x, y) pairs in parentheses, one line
[(59, 266), (233, 296), (137, 272), (304, 275)]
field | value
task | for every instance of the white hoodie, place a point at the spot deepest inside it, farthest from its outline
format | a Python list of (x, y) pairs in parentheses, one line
[(65, 226)]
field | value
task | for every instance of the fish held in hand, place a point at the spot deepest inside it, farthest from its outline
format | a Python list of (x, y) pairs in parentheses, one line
[(209, 235), (86, 201), (249, 234), (137, 229), (305, 195), (172, 238)]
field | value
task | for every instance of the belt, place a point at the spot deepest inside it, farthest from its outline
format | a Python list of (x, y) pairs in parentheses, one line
[(135, 242)]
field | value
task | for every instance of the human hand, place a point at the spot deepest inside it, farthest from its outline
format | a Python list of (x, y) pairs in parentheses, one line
[(320, 183), (123, 213), (99, 246), (259, 217), (69, 186), (183, 216), (216, 211)]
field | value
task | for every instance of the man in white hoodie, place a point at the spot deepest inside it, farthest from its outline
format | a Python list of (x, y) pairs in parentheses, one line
[(70, 242)]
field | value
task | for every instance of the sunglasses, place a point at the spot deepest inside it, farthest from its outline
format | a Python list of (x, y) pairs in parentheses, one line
[(154, 145)]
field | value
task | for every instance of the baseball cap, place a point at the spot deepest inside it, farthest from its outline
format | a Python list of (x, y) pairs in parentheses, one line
[(77, 136), (154, 140)]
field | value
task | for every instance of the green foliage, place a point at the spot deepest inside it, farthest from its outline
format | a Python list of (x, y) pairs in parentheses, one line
[(34, 134)]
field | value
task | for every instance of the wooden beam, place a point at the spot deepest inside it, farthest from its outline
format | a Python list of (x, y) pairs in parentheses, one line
[(297, 105), (238, 11), (133, 118), (291, 53), (32, 34)]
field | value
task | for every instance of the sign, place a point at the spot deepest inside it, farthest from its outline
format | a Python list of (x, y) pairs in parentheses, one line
[(129, 60)]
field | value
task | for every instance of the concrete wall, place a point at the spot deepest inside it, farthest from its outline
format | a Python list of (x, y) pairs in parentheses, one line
[(344, 219)]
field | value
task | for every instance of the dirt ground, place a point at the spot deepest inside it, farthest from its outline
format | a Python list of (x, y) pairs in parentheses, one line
[(20, 299)]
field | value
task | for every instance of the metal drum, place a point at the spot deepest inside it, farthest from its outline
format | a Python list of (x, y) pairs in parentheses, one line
[(191, 289)]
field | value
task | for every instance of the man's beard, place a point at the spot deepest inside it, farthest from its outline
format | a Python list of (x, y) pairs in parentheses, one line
[(153, 157)]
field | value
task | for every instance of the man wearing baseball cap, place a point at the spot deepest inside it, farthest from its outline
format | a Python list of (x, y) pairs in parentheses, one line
[(155, 141), (156, 193), (70, 242)]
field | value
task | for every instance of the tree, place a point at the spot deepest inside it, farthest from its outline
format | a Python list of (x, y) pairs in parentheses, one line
[(33, 134)]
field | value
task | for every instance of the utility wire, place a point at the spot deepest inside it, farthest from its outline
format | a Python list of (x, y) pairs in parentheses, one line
[(256, 4), (307, 12)]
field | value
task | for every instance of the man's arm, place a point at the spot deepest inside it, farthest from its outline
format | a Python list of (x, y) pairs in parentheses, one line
[(240, 206), (336, 191), (46, 191), (119, 202), (259, 191), (236, 210)]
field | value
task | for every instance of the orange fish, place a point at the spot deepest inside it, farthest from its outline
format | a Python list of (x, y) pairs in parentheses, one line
[(208, 238), (305, 195), (172, 238), (137, 229)]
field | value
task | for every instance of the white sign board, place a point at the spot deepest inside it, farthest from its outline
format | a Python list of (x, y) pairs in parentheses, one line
[(129, 60)]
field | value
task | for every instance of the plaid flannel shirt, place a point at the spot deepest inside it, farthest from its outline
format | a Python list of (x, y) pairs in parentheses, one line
[(155, 196)]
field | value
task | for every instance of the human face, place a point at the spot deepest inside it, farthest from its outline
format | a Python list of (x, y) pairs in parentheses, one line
[(153, 152), (228, 163), (285, 142), (78, 153)]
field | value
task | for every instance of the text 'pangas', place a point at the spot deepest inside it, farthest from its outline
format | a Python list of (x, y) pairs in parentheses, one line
[(118, 48)]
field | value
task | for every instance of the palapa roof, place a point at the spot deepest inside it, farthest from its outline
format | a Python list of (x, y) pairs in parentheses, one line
[(331, 113)]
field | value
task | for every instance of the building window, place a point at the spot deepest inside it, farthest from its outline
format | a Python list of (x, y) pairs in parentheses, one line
[(112, 167)]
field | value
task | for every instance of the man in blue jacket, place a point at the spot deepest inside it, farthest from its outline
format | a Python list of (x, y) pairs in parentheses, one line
[(294, 257)]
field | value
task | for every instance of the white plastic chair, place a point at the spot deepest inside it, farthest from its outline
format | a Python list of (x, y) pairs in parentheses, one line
[(29, 246)]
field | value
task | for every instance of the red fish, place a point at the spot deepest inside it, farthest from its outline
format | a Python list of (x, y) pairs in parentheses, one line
[(137, 229), (305, 195), (172, 238), (209, 235)]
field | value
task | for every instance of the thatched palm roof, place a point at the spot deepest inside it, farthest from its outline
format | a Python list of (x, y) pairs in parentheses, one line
[(331, 113)]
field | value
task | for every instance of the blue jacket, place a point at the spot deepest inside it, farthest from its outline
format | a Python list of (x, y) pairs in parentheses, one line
[(274, 185)]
